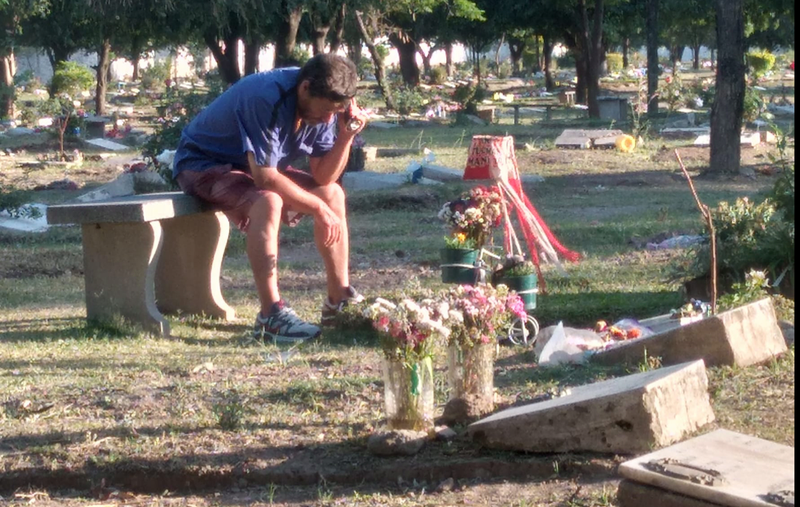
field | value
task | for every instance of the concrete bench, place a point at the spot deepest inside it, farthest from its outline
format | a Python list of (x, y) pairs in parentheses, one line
[(148, 254)]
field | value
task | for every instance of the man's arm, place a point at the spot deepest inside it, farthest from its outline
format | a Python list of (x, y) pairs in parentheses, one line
[(327, 168), (269, 178), (297, 198)]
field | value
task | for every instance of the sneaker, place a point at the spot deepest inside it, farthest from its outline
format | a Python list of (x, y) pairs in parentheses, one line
[(283, 326), (330, 311)]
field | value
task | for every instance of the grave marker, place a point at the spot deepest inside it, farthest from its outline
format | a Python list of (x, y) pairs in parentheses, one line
[(624, 415), (742, 336), (721, 468)]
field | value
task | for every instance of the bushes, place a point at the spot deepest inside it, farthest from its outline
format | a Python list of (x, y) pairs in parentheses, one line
[(408, 100), (469, 96), (751, 236), (614, 62), (178, 113), (71, 78), (156, 74), (438, 75), (760, 62)]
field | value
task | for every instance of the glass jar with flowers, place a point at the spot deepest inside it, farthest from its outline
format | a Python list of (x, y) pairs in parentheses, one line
[(475, 317), (470, 221), (408, 331)]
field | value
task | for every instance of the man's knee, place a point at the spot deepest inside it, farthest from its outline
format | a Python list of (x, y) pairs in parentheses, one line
[(332, 194), (267, 203)]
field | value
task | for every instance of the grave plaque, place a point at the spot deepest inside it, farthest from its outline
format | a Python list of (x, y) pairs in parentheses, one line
[(722, 468), (624, 415), (742, 336)]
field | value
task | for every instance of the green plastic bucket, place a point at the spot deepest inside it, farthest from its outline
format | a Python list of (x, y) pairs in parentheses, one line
[(458, 265), (525, 286)]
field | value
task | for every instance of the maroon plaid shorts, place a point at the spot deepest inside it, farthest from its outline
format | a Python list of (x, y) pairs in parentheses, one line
[(233, 191)]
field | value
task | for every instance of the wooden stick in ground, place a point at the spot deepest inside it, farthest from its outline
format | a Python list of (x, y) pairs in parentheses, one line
[(710, 223), (515, 246)]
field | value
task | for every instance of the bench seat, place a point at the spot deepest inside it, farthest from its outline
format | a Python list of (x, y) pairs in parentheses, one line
[(149, 255)]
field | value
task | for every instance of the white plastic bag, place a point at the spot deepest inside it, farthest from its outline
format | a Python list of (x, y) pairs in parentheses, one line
[(568, 345)]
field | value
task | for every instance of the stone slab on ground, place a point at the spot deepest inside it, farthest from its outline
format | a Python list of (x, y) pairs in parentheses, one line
[(745, 470), (396, 152), (26, 224), (743, 336), (108, 145), (368, 180), (634, 494), (585, 139), (749, 139), (441, 173), (625, 415)]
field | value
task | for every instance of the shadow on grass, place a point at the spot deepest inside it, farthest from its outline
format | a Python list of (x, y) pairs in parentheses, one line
[(63, 328), (342, 463), (584, 309), (79, 328)]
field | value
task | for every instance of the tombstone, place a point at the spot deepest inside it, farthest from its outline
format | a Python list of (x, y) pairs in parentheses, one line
[(96, 127), (625, 415), (719, 469), (742, 336), (356, 159), (613, 108)]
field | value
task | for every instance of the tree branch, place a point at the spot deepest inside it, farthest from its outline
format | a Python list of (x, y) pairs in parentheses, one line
[(710, 224)]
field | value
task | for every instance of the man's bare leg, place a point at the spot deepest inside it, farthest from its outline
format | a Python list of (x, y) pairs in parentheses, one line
[(336, 257), (262, 247)]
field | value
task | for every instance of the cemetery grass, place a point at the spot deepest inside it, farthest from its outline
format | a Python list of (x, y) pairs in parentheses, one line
[(102, 411)]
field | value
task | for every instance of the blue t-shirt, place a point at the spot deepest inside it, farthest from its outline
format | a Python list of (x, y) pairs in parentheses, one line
[(255, 114)]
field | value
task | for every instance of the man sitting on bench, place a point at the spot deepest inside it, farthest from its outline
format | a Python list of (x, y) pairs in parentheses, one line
[(236, 153)]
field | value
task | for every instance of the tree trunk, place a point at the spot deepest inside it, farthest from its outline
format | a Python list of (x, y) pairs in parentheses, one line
[(652, 56), (103, 62), (426, 59), (537, 55), (338, 30), (287, 37), (696, 54), (251, 51), (135, 71), (515, 47), (227, 60), (626, 47), (7, 71), (320, 33), (380, 75), (448, 58), (547, 49), (353, 43), (476, 63), (407, 54), (497, 54), (726, 113), (580, 73), (136, 52), (675, 56), (592, 39), (56, 55)]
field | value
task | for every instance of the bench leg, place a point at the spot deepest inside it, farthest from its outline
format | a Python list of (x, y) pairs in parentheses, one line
[(187, 277), (119, 263), (516, 116)]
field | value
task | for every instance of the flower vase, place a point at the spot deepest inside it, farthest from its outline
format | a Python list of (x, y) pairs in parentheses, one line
[(471, 377), (525, 286), (408, 390), (458, 265)]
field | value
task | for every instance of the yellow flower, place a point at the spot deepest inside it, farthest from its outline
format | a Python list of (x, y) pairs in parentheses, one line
[(625, 143), (461, 237)]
